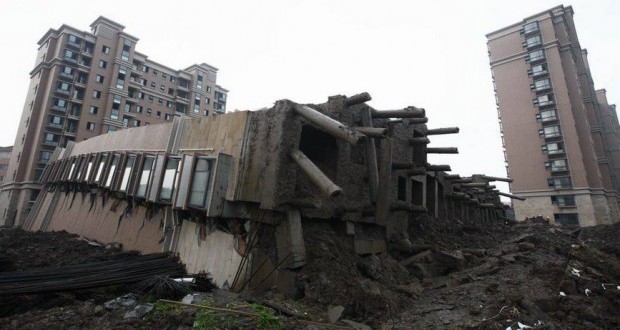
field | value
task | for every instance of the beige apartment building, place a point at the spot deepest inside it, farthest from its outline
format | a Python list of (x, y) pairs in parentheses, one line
[(89, 83), (561, 138), (5, 156)]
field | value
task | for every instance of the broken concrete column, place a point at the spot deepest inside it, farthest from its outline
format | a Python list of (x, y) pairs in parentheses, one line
[(510, 196), (444, 168), (375, 132), (329, 125), (445, 130), (371, 157), (409, 112), (290, 240), (357, 99), (446, 150), (494, 178), (330, 189), (385, 180)]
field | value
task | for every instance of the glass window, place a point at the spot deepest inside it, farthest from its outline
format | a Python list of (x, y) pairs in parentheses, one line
[(145, 177), (73, 162), (547, 115), (169, 183), (127, 173), (542, 84), (89, 167), (530, 27), (539, 69), (536, 55), (102, 162), (111, 173), (565, 200), (533, 41), (200, 183)]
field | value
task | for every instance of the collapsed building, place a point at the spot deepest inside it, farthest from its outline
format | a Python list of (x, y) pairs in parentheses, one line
[(230, 193)]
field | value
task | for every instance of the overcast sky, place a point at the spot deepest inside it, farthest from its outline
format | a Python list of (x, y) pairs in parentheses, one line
[(421, 53)]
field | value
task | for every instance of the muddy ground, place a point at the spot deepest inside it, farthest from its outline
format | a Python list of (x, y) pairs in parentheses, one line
[(457, 275)]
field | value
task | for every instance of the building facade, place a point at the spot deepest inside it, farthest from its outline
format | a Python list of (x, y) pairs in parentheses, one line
[(560, 136), (5, 156), (89, 83)]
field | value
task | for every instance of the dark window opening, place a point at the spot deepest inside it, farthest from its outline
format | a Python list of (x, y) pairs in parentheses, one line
[(402, 188), (320, 148)]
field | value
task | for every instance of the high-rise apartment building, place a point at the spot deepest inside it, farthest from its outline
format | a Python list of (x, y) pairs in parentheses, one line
[(89, 83), (561, 139), (5, 156)]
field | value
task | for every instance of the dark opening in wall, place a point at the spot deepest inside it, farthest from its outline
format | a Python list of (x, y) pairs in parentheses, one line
[(320, 148), (402, 188), (566, 218), (417, 192)]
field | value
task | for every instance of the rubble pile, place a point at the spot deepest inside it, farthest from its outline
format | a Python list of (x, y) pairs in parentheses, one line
[(456, 274)]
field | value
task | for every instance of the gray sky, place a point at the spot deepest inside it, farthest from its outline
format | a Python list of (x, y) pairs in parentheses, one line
[(430, 55)]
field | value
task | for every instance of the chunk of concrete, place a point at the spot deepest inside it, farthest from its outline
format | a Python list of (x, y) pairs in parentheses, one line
[(139, 311), (334, 313)]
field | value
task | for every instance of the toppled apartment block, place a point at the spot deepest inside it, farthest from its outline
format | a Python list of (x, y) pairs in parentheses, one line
[(230, 193)]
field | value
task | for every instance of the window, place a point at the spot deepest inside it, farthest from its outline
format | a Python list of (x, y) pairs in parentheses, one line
[(73, 39), (547, 115), (97, 94), (100, 168), (45, 156), (120, 82), (543, 100), (116, 106), (553, 148), (89, 167), (127, 107), (162, 88), (143, 81), (126, 49), (172, 79), (49, 137), (158, 114), (111, 174), (71, 55), (167, 117), (138, 109), (111, 128), (99, 79), (536, 55), (155, 72), (67, 71), (567, 218), (533, 41), (145, 177), (200, 183), (559, 183), (196, 108), (153, 84), (103, 64), (90, 126), (145, 69), (170, 91), (168, 185), (207, 100), (550, 131), (93, 110), (63, 86), (105, 49), (60, 104), (563, 200), (56, 121), (530, 27), (160, 101), (538, 70), (208, 89), (127, 174), (557, 165), (542, 84), (148, 111), (169, 104)]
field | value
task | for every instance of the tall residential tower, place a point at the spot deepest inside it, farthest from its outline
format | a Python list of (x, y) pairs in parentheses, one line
[(561, 139), (89, 83)]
